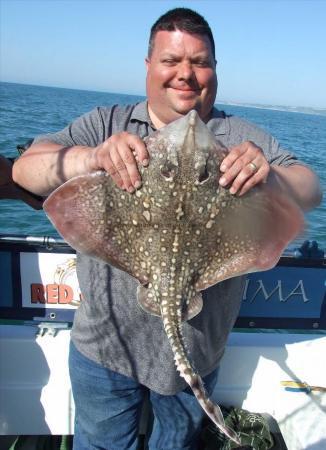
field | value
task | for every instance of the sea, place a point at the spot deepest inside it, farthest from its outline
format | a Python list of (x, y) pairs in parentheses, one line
[(27, 111)]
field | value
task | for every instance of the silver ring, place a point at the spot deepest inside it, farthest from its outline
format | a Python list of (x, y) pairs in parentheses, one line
[(253, 167)]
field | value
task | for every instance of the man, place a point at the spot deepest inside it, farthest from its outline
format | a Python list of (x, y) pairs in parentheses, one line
[(119, 352)]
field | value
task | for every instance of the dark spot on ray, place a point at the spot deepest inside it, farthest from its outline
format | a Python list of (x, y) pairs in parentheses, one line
[(169, 170), (204, 174)]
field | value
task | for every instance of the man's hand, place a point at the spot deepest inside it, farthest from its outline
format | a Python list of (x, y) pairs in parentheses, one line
[(244, 167), (119, 155)]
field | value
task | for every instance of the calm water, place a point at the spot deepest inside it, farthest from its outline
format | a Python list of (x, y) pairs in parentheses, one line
[(26, 111)]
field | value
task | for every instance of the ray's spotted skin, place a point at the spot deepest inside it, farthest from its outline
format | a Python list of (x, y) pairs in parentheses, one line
[(179, 233)]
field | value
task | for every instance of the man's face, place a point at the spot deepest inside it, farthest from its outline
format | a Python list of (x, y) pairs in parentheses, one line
[(180, 76)]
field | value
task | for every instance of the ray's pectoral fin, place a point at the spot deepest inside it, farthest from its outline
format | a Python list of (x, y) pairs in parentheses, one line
[(81, 211), (146, 299), (193, 308), (252, 235), (72, 213)]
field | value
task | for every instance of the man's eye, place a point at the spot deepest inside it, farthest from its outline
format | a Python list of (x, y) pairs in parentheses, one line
[(169, 62), (202, 63)]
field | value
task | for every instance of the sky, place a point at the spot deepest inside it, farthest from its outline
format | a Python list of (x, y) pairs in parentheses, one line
[(268, 51)]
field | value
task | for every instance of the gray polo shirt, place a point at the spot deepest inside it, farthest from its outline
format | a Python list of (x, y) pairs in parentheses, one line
[(110, 327)]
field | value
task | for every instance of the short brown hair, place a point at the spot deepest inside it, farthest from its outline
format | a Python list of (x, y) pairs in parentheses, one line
[(183, 19)]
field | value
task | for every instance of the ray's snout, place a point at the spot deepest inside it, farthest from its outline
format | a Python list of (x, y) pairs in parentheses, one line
[(195, 141)]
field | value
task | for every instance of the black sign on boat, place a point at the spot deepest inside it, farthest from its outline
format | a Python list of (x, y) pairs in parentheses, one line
[(290, 296)]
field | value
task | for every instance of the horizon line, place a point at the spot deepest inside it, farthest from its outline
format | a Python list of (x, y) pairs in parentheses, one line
[(288, 108)]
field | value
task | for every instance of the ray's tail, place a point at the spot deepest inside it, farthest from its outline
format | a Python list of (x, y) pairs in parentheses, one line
[(173, 328)]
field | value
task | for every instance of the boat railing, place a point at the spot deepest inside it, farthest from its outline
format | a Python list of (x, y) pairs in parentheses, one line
[(46, 241)]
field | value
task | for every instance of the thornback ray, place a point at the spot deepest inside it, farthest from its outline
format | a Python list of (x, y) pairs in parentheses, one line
[(179, 233)]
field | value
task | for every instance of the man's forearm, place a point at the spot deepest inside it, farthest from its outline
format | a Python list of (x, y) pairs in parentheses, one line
[(45, 166), (301, 183)]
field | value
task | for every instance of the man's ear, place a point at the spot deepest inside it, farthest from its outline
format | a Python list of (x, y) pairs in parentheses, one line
[(147, 62)]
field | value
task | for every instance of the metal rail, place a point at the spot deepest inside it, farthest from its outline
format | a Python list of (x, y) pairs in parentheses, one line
[(39, 240)]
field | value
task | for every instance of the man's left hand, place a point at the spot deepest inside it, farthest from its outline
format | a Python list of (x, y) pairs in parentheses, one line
[(243, 168)]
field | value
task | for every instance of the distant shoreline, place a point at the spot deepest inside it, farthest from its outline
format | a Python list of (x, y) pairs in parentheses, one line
[(294, 109)]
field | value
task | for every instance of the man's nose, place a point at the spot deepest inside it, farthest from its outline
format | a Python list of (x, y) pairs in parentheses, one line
[(185, 71)]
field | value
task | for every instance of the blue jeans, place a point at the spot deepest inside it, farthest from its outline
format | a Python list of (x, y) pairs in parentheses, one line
[(108, 409)]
